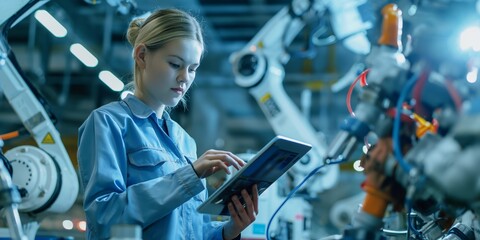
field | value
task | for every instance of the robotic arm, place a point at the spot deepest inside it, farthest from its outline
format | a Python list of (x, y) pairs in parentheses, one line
[(259, 68), (44, 175), (388, 68), (437, 176)]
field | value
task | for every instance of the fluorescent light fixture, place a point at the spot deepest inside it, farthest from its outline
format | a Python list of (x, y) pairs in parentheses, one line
[(111, 81), (470, 39), (87, 58), (50, 23)]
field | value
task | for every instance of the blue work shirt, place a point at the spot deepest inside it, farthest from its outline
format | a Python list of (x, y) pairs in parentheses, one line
[(133, 172)]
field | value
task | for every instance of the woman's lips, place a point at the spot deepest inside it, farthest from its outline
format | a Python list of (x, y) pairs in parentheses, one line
[(178, 90)]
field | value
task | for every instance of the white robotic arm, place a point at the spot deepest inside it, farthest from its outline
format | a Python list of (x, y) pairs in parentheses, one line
[(259, 67), (44, 174)]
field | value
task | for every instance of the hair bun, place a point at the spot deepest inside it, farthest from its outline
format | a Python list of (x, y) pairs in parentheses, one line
[(134, 29)]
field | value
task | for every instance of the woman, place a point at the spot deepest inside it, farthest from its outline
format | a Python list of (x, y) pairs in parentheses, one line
[(137, 165)]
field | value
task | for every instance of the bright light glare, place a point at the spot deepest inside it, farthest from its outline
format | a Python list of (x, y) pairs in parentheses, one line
[(82, 226), (50, 23), (357, 167), (111, 81), (67, 224), (87, 58), (124, 94), (472, 75), (365, 148), (470, 39)]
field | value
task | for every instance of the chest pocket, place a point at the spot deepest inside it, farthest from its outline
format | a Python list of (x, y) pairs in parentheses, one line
[(148, 163)]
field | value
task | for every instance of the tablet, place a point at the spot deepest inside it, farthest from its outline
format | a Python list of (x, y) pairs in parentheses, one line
[(271, 162)]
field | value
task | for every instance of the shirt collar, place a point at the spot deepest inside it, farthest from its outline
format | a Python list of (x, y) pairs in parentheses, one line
[(140, 109)]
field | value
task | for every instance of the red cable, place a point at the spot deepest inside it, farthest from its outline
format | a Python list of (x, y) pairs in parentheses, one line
[(362, 76), (363, 79)]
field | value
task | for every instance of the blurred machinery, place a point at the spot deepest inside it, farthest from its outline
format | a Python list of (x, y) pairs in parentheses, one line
[(41, 180), (259, 68), (417, 106)]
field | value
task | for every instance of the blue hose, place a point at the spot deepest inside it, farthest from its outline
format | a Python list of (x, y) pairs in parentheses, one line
[(396, 125), (290, 195), (397, 151)]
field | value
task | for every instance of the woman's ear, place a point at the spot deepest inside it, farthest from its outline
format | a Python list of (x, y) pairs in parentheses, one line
[(139, 54)]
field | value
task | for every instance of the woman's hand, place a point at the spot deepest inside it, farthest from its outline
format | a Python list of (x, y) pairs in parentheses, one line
[(241, 216), (213, 161)]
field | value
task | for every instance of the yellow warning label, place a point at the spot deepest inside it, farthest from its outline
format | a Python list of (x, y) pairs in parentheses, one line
[(269, 106), (265, 98), (260, 44), (48, 139)]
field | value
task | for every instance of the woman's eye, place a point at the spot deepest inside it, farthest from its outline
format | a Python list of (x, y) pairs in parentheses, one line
[(174, 65), (192, 70)]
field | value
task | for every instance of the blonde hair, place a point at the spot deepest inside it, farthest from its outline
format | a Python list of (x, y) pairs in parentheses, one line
[(158, 29)]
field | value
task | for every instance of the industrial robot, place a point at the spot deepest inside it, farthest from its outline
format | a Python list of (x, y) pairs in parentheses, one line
[(259, 67), (419, 112), (41, 180)]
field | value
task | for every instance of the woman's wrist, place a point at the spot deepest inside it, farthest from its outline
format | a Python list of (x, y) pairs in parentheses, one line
[(195, 171), (226, 234)]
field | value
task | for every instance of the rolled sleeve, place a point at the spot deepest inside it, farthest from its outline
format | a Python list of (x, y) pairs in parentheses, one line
[(189, 180)]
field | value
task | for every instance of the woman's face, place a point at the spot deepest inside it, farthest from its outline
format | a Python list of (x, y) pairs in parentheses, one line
[(168, 72)]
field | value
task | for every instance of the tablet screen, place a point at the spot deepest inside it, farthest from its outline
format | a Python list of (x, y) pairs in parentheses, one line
[(271, 165)]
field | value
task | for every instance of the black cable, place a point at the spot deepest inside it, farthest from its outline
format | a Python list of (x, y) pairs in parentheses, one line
[(310, 51), (5, 30), (6, 163)]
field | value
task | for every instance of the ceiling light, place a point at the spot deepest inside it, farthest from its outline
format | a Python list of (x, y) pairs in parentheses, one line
[(50, 23), (111, 81), (87, 58)]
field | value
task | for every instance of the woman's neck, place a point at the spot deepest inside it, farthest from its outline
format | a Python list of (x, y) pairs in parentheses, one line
[(157, 107)]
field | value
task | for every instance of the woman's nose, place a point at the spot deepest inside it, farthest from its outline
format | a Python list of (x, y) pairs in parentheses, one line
[(183, 76)]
